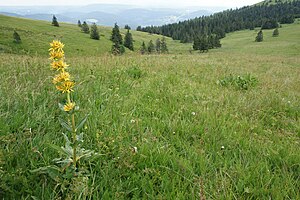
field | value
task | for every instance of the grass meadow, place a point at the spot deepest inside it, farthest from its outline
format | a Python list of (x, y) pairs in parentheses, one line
[(163, 126)]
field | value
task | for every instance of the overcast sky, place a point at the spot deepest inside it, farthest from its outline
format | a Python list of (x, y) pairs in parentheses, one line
[(156, 3)]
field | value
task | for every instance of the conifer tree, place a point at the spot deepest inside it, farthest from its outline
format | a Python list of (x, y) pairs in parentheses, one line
[(164, 48), (16, 37), (151, 47), (211, 41), (259, 37), (116, 38), (117, 49), (128, 41), (158, 45), (54, 21), (85, 27), (79, 23), (276, 33), (217, 42), (196, 44), (143, 48), (127, 27), (203, 43), (94, 32)]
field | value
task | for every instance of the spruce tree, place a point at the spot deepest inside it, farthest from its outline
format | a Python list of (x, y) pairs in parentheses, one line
[(164, 48), (94, 32), (151, 47), (79, 23), (143, 48), (127, 27), (196, 44), (128, 41), (54, 21), (276, 33), (85, 27), (158, 45), (117, 49), (217, 42), (16, 37), (203, 43), (259, 37), (211, 41), (116, 38)]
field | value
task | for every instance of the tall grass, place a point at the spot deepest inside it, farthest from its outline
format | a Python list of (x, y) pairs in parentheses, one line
[(170, 132)]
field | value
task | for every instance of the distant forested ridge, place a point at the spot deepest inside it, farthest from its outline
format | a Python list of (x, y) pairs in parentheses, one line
[(266, 15)]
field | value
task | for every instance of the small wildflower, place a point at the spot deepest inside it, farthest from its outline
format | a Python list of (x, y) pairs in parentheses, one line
[(132, 121), (69, 106), (66, 87), (222, 147), (59, 65), (193, 113), (56, 46), (62, 77), (134, 150)]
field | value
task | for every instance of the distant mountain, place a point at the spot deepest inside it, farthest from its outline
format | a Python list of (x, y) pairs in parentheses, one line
[(11, 14), (107, 14)]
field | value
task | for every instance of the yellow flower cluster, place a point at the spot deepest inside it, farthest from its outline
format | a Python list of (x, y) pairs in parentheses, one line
[(62, 81)]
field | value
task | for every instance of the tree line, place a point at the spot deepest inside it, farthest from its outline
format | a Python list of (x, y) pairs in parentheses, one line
[(263, 15)]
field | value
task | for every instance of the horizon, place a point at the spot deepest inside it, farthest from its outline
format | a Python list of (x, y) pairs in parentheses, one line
[(134, 3)]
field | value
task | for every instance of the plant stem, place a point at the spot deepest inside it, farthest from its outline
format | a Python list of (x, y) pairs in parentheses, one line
[(73, 133), (74, 140)]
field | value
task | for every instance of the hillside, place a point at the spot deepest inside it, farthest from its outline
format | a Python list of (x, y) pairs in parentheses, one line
[(36, 36), (242, 42), (219, 24)]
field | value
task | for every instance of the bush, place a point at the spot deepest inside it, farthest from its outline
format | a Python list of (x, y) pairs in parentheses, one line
[(16, 37), (239, 82), (134, 72), (259, 37)]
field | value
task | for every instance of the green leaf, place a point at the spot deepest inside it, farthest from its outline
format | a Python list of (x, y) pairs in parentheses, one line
[(65, 124), (57, 148), (81, 123), (52, 171)]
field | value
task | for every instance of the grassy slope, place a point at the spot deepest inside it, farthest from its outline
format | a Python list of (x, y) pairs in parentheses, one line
[(286, 44), (179, 154), (36, 35)]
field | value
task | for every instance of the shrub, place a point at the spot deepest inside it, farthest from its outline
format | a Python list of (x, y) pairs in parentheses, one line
[(134, 72), (239, 82), (17, 38)]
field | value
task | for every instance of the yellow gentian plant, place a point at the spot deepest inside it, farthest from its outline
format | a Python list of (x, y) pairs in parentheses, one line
[(64, 84)]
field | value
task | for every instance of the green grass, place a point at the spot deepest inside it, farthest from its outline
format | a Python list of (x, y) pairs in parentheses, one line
[(286, 44), (168, 106), (36, 35)]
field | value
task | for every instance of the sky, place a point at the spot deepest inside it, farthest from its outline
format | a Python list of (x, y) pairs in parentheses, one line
[(155, 3)]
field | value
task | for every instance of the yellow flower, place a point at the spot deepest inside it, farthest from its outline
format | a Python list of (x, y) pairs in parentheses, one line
[(62, 77), (59, 65), (66, 87), (69, 106), (56, 45), (56, 55)]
